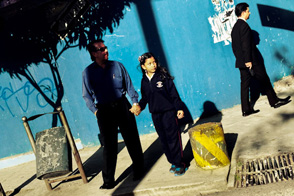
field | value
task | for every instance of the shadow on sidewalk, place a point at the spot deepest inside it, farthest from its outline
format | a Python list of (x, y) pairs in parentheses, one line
[(151, 156), (16, 190), (154, 152), (93, 165)]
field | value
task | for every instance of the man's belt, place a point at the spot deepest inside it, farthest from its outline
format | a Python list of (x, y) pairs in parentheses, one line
[(110, 104)]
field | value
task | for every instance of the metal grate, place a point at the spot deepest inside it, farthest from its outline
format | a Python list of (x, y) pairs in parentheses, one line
[(263, 171)]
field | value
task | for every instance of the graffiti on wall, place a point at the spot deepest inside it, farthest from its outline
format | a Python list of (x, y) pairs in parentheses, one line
[(12, 98), (223, 20)]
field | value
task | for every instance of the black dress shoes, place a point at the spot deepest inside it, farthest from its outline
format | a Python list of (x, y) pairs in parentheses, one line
[(108, 185), (281, 102), (285, 99), (250, 112)]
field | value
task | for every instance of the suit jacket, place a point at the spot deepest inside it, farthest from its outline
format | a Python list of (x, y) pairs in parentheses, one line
[(243, 45)]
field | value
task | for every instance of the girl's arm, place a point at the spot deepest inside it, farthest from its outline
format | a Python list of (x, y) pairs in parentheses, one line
[(174, 95), (143, 102)]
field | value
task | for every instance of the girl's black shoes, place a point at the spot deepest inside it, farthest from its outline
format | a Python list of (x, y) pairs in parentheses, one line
[(180, 171)]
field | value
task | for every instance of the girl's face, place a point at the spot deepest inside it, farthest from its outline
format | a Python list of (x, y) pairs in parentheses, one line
[(150, 65)]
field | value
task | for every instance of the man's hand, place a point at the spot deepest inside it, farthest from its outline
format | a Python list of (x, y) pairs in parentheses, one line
[(96, 113), (249, 65), (180, 114), (136, 109)]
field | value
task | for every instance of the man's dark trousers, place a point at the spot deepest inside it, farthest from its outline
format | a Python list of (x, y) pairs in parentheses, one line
[(110, 117), (262, 77)]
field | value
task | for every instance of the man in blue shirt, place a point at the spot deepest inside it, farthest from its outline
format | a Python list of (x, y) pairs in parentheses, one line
[(105, 84)]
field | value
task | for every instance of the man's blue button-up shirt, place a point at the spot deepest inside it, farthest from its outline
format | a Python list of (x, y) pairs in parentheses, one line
[(105, 85)]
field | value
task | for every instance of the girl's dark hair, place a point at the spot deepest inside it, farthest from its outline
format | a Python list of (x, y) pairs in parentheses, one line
[(162, 70), (241, 7)]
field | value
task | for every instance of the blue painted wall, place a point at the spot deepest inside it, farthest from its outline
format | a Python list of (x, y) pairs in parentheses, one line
[(180, 34)]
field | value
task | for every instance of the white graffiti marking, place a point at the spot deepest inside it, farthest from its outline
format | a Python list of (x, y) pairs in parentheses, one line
[(223, 21)]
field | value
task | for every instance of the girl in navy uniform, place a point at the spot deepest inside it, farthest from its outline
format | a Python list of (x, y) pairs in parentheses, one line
[(165, 106)]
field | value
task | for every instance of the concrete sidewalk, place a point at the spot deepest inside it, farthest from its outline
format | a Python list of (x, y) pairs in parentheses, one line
[(268, 132)]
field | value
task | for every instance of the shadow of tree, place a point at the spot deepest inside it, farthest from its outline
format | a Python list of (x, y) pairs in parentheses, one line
[(260, 141)]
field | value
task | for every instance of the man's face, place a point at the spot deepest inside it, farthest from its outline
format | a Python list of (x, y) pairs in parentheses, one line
[(102, 53), (246, 14)]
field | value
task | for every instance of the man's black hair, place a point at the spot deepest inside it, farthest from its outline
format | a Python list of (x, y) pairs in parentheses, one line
[(240, 7), (91, 47)]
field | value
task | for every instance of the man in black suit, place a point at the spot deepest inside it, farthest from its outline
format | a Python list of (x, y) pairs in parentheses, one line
[(249, 62)]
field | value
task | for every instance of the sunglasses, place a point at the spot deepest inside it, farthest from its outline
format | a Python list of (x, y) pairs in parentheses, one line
[(101, 49)]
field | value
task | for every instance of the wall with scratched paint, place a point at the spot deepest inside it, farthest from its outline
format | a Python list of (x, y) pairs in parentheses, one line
[(191, 38)]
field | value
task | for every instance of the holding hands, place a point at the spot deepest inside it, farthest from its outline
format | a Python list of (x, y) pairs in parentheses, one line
[(136, 109)]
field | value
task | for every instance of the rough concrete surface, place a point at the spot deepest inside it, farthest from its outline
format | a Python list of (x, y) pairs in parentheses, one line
[(266, 133)]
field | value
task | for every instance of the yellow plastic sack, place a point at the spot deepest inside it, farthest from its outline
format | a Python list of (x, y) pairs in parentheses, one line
[(209, 145)]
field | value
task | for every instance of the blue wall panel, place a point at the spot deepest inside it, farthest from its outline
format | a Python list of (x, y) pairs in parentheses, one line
[(180, 34)]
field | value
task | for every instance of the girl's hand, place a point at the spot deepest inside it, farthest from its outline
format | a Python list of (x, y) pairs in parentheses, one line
[(136, 109), (180, 114)]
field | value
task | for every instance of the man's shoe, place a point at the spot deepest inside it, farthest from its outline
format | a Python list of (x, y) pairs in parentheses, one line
[(280, 103), (250, 112), (108, 185), (284, 99)]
